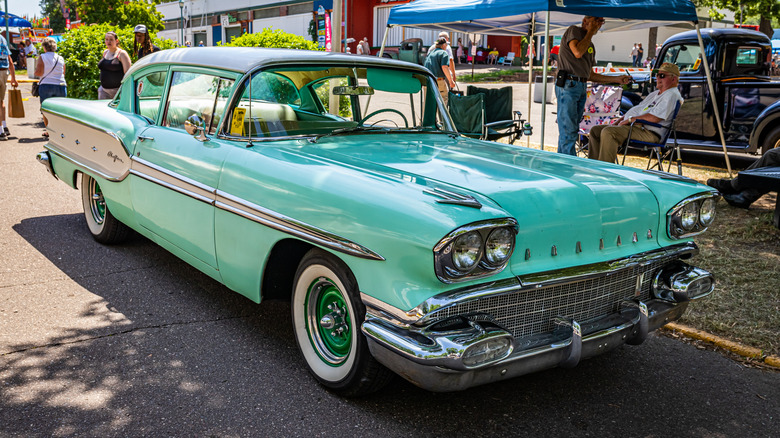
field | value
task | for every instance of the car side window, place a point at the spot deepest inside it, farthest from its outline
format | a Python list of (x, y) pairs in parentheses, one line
[(686, 56), (148, 93), (196, 94)]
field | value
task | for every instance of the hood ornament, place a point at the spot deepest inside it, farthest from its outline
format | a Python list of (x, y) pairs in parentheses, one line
[(449, 197)]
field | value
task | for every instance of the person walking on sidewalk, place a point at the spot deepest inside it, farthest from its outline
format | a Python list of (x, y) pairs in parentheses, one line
[(6, 70), (51, 69)]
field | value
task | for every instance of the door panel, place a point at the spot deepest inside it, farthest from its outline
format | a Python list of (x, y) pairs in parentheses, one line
[(175, 174)]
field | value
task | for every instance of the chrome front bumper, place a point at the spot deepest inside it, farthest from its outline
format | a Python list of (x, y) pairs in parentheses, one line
[(403, 352), (480, 335)]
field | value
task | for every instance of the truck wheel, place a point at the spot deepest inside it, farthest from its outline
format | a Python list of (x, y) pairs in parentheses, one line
[(772, 140), (103, 226), (326, 314)]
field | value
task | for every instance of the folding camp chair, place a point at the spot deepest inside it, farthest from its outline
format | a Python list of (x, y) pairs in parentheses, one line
[(601, 106), (659, 151), (510, 57), (468, 114), (500, 120)]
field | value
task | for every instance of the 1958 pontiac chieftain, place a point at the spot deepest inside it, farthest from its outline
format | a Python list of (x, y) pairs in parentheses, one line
[(339, 182)]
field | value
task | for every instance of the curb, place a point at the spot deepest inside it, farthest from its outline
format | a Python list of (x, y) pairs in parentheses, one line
[(734, 347)]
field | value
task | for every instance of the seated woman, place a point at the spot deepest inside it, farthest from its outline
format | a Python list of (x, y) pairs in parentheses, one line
[(492, 56)]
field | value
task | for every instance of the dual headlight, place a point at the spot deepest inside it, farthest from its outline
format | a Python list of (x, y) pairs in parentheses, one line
[(691, 216), (475, 250)]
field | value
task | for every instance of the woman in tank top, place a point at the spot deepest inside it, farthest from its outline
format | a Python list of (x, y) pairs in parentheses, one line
[(113, 66)]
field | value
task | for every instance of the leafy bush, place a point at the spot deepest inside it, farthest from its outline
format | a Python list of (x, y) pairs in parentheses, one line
[(273, 38), (83, 48)]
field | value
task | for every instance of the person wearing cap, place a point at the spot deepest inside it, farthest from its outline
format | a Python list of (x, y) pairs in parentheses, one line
[(438, 62), (576, 58), (448, 49), (143, 43), (658, 106)]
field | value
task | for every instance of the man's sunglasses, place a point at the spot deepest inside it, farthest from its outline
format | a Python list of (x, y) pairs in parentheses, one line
[(662, 75)]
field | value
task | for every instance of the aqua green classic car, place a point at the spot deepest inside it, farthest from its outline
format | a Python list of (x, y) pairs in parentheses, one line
[(339, 183)]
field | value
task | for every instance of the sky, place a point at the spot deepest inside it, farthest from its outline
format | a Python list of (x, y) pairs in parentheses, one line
[(21, 7)]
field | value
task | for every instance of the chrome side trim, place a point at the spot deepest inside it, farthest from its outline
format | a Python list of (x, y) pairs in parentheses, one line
[(178, 183), (83, 166), (537, 280), (227, 202), (280, 222), (81, 122)]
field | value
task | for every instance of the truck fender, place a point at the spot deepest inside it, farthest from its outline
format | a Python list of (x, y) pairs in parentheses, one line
[(766, 123)]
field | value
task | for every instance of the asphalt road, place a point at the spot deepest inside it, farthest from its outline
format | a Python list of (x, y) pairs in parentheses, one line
[(130, 341)]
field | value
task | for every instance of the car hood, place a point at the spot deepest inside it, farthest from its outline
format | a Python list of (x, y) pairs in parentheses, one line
[(570, 210)]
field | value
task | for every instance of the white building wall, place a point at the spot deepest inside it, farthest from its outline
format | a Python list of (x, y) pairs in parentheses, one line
[(200, 13), (616, 47), (294, 24)]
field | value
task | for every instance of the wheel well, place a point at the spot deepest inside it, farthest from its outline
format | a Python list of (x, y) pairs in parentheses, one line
[(769, 129), (279, 273)]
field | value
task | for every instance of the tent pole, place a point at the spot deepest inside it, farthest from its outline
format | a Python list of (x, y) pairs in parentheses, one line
[(544, 72), (530, 70), (384, 40), (713, 99), (473, 59)]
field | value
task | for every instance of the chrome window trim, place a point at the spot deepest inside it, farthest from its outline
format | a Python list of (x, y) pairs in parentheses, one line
[(227, 202), (84, 167), (430, 306)]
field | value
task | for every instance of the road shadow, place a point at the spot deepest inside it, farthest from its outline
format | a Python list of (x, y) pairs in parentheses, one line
[(171, 352)]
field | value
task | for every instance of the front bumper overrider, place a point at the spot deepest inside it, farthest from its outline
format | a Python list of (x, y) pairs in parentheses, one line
[(471, 349)]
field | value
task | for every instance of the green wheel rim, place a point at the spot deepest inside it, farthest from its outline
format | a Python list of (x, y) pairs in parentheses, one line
[(96, 202), (329, 322)]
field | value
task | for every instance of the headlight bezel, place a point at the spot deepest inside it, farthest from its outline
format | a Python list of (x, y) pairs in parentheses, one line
[(444, 266), (674, 222)]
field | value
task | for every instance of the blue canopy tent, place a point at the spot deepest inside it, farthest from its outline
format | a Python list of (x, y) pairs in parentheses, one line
[(13, 20), (527, 17)]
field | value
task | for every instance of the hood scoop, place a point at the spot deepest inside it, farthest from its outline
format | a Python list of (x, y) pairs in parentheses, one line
[(450, 197)]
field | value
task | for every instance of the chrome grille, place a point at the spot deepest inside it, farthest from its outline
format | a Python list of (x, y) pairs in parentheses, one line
[(531, 311)]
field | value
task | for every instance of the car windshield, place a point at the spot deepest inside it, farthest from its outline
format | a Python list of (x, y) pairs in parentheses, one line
[(335, 100)]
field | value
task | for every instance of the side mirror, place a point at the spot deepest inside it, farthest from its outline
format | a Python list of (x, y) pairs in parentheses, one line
[(195, 126)]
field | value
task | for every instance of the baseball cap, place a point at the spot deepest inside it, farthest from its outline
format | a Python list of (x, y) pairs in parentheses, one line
[(140, 29), (668, 67)]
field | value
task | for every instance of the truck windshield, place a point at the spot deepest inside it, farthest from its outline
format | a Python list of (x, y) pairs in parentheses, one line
[(686, 56)]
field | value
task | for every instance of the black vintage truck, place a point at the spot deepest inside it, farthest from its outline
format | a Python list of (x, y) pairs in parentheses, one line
[(749, 101)]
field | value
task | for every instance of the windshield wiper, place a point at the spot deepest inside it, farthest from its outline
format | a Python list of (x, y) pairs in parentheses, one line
[(359, 128)]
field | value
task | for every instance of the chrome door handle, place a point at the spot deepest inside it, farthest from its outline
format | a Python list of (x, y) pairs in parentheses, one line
[(143, 138)]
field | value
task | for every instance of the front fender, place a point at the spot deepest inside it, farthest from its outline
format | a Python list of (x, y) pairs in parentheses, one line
[(765, 121)]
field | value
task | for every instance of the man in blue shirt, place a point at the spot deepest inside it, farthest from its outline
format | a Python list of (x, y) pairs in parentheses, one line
[(6, 65)]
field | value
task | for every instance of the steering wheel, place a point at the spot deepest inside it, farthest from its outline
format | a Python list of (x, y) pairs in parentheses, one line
[(406, 122)]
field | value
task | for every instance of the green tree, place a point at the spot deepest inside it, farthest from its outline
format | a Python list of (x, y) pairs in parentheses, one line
[(764, 10), (273, 38), (121, 13), (83, 48), (53, 10)]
